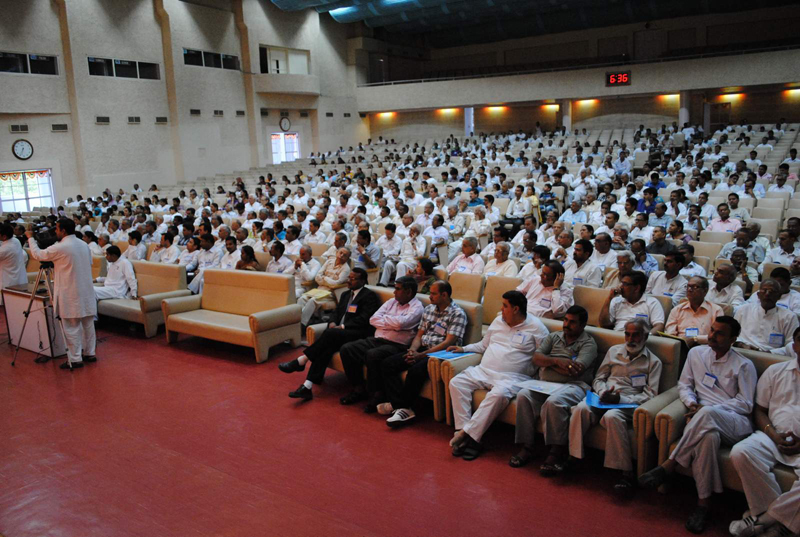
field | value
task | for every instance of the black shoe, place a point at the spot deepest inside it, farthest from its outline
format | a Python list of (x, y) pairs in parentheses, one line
[(291, 367), (89, 359), (698, 520), (353, 397), (302, 393), (75, 365), (626, 486), (654, 478), (472, 450)]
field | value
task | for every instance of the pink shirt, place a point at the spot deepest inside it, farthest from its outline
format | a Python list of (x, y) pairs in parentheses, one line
[(731, 224), (397, 322)]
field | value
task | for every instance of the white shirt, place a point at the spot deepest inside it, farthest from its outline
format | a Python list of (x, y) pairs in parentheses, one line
[(293, 248), (389, 247), (731, 295), (314, 238), (229, 260), (507, 269), (691, 270), (412, 249), (765, 330), (587, 274), (508, 349), (470, 265), (188, 259), (779, 392), (648, 309), (13, 264), (727, 383), (546, 301), (74, 292), (121, 278), (168, 256), (136, 253), (789, 301), (283, 265), (306, 272), (518, 208), (779, 256), (659, 284), (604, 261)]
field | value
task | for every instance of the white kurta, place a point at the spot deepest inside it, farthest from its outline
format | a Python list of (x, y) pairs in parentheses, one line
[(120, 282), (74, 292), (12, 265)]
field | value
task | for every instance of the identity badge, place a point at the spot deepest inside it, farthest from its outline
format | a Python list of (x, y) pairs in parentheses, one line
[(638, 381), (692, 332), (776, 340), (709, 380)]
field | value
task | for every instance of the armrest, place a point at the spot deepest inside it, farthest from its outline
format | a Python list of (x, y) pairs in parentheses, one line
[(644, 417), (457, 365), (267, 320), (670, 422), (152, 302), (314, 331), (181, 304)]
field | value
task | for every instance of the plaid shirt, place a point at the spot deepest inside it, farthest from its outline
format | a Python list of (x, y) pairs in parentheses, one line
[(436, 325)]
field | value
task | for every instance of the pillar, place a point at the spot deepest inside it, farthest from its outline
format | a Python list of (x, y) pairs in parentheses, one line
[(565, 107), (469, 120), (683, 111)]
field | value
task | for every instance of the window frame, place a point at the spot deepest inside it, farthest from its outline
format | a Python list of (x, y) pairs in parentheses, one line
[(286, 51), (28, 198), (28, 63)]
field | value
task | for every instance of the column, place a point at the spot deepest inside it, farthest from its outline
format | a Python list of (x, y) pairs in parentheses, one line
[(565, 107), (469, 120), (683, 112)]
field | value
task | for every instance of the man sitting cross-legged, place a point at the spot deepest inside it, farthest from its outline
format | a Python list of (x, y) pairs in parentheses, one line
[(565, 357), (350, 323), (717, 385), (443, 325), (507, 348)]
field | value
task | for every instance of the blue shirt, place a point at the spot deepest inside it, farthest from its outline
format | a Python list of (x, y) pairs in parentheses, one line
[(646, 209), (664, 221), (648, 266)]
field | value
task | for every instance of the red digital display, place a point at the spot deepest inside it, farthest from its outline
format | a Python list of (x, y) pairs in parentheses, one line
[(619, 78)]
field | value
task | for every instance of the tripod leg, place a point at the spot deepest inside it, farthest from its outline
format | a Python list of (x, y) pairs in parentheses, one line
[(27, 313)]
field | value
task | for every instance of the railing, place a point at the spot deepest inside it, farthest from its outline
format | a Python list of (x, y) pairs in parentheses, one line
[(586, 66)]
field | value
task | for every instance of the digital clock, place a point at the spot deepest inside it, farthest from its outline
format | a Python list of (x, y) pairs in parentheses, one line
[(618, 78)]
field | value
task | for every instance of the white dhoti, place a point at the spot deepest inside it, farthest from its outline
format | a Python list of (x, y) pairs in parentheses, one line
[(754, 457), (80, 337), (698, 448), (503, 387), (617, 421)]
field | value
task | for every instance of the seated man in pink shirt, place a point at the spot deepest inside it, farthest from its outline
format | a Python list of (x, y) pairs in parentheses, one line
[(724, 222), (468, 260)]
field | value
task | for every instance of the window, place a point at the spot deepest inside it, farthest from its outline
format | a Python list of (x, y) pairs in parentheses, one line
[(240, 113), (101, 67), (277, 60), (59, 127), (285, 147), (134, 120), (43, 65), (192, 57), (161, 120), (194, 111), (148, 71), (212, 59), (11, 62), (230, 62), (125, 69), (218, 113), (103, 120), (22, 191)]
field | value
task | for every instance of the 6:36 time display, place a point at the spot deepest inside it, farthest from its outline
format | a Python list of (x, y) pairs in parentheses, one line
[(618, 78)]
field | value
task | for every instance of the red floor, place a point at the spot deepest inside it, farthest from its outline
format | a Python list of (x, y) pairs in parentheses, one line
[(197, 439)]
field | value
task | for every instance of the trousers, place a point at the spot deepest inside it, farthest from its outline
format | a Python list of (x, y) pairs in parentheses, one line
[(80, 337), (616, 421), (554, 411), (698, 448), (309, 308), (503, 387), (321, 352), (754, 457), (103, 293), (369, 352), (402, 394), (395, 268)]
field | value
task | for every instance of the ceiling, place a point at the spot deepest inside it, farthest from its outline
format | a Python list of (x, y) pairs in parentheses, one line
[(459, 22)]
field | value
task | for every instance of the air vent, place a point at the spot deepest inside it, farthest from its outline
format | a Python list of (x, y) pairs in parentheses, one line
[(59, 127), (264, 112), (103, 120), (194, 112), (240, 113), (328, 114), (161, 120), (362, 115), (218, 113), (18, 128), (347, 114), (134, 120), (284, 113), (303, 114)]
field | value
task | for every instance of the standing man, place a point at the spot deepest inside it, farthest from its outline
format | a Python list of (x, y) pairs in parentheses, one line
[(74, 293), (12, 260), (350, 323), (717, 385), (443, 325)]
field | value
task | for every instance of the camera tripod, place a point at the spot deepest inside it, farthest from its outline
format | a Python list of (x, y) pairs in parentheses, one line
[(45, 276)]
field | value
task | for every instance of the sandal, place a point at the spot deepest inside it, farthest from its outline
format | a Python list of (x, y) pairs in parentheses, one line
[(553, 466), (520, 459), (625, 486), (472, 450)]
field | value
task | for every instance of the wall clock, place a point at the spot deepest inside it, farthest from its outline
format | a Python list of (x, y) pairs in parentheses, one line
[(22, 149)]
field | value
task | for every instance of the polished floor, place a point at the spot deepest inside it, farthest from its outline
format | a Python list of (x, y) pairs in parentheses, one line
[(196, 439)]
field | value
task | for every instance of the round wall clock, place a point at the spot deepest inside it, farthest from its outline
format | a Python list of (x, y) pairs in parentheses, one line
[(285, 124), (22, 149)]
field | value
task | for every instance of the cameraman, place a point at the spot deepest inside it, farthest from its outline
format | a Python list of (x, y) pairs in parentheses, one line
[(12, 260), (74, 293)]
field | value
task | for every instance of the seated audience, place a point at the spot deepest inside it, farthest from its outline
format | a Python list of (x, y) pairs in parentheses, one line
[(765, 326), (629, 302), (691, 320)]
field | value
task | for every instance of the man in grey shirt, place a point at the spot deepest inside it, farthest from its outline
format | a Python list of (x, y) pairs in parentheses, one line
[(565, 357)]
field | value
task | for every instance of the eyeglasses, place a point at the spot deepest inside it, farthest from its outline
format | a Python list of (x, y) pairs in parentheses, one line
[(693, 287)]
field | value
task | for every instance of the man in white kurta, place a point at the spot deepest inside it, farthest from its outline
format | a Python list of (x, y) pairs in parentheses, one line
[(507, 348), (305, 269), (166, 252), (580, 269), (119, 281), (775, 441), (332, 275), (13, 261), (279, 264), (500, 264), (206, 259), (765, 325), (547, 295), (231, 256), (74, 293), (668, 282), (717, 386)]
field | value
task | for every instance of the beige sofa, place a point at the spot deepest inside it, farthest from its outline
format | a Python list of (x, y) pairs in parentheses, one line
[(642, 436), (155, 282), (433, 389), (251, 309), (671, 421)]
